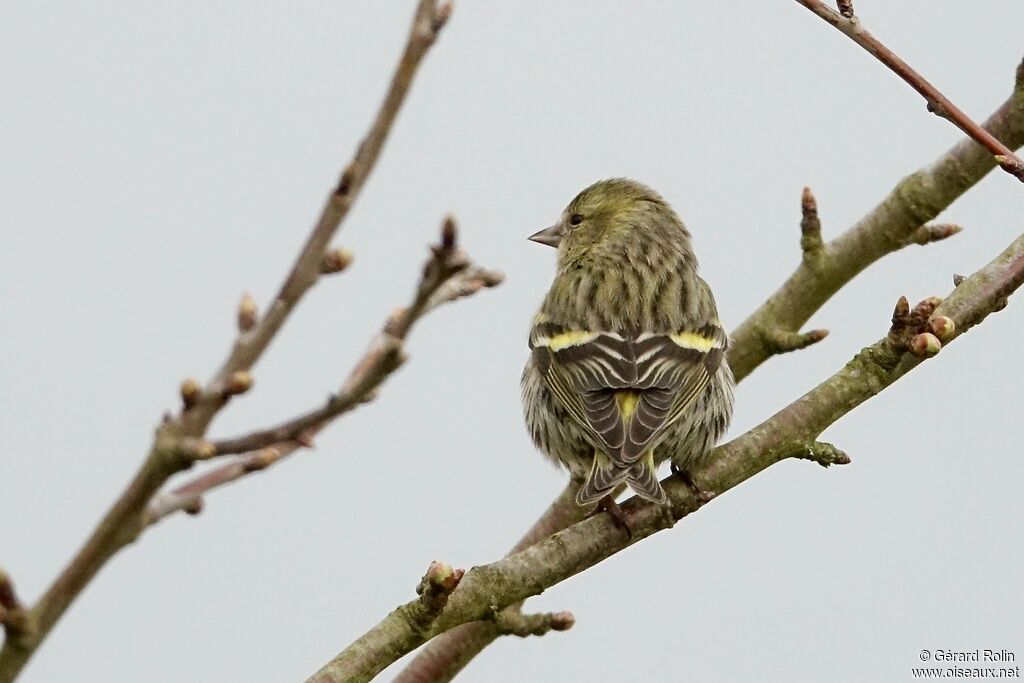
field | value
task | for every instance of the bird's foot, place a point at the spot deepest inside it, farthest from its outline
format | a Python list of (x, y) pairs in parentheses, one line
[(608, 504), (700, 494)]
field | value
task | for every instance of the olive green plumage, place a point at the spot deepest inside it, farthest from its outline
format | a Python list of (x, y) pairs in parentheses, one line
[(627, 365)]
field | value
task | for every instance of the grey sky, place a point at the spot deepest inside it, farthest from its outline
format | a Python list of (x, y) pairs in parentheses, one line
[(160, 159)]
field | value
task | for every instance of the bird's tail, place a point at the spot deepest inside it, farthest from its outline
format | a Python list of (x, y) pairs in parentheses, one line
[(641, 476)]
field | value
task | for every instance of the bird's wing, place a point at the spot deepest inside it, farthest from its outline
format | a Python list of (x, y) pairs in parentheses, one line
[(626, 391), (673, 370)]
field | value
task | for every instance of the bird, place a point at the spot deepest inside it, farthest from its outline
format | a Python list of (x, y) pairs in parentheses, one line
[(627, 364)]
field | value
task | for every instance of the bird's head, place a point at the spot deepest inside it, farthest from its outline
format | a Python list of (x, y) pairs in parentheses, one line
[(604, 221)]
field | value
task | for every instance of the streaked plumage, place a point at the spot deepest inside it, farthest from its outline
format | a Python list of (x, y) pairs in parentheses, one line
[(627, 365)]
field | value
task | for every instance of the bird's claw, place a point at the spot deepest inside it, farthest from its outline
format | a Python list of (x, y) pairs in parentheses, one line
[(700, 494), (608, 504)]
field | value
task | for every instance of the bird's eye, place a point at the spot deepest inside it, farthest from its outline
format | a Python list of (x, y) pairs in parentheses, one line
[(575, 219)]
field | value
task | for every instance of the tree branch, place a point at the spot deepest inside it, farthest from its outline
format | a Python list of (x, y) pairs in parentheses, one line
[(188, 498), (447, 276), (937, 102), (927, 234), (14, 618), (427, 23), (416, 619), (125, 519), (790, 433), (512, 623), (447, 654), (899, 220), (413, 619), (893, 224), (825, 454)]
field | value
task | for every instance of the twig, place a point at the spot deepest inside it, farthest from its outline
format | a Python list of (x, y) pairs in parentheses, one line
[(512, 623), (888, 227), (489, 588), (124, 521), (14, 618), (447, 654), (188, 498), (825, 454), (447, 276), (781, 341), (428, 21), (937, 102), (415, 619), (927, 234), (994, 283)]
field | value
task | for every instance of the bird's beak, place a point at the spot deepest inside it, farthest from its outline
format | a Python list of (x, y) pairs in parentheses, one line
[(549, 236)]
